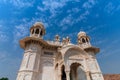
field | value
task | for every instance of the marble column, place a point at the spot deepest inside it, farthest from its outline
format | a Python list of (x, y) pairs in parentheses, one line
[(67, 75), (88, 75), (59, 73)]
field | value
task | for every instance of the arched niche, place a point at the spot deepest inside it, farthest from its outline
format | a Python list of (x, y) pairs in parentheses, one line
[(30, 61), (47, 68), (25, 60), (26, 77)]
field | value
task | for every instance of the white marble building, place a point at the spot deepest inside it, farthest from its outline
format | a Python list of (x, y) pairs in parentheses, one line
[(55, 60)]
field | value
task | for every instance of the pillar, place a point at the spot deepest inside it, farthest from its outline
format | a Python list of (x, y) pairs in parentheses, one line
[(59, 73), (39, 33), (67, 75), (88, 75)]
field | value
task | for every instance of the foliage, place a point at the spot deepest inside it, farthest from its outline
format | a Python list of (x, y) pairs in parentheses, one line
[(4, 78)]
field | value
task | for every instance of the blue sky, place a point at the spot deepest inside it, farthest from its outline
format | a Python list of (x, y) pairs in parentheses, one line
[(100, 19)]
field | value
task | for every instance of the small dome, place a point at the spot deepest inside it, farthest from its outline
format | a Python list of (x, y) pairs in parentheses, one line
[(39, 24), (81, 33)]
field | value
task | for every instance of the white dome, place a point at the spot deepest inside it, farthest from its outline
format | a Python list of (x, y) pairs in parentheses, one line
[(39, 24), (81, 33)]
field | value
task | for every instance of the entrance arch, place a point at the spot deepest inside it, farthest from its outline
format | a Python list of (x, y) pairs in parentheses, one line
[(72, 54), (76, 72), (73, 58)]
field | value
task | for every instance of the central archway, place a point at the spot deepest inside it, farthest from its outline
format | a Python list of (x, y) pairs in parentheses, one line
[(73, 53), (73, 57), (73, 71), (76, 72)]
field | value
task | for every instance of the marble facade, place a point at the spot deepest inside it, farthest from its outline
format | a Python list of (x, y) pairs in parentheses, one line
[(55, 60)]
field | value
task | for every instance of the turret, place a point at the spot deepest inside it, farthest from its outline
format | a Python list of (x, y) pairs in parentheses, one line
[(37, 30), (83, 39)]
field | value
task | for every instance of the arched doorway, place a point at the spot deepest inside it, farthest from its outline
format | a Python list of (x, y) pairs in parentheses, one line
[(76, 73), (73, 71), (63, 76)]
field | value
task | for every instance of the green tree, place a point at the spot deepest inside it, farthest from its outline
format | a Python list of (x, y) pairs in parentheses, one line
[(4, 78)]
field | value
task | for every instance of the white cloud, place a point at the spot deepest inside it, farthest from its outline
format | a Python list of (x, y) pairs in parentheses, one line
[(75, 10), (41, 9), (89, 4), (83, 16), (93, 2), (52, 6), (3, 56), (20, 31), (93, 29), (3, 36), (106, 52), (109, 7), (70, 19), (20, 3), (67, 20)]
